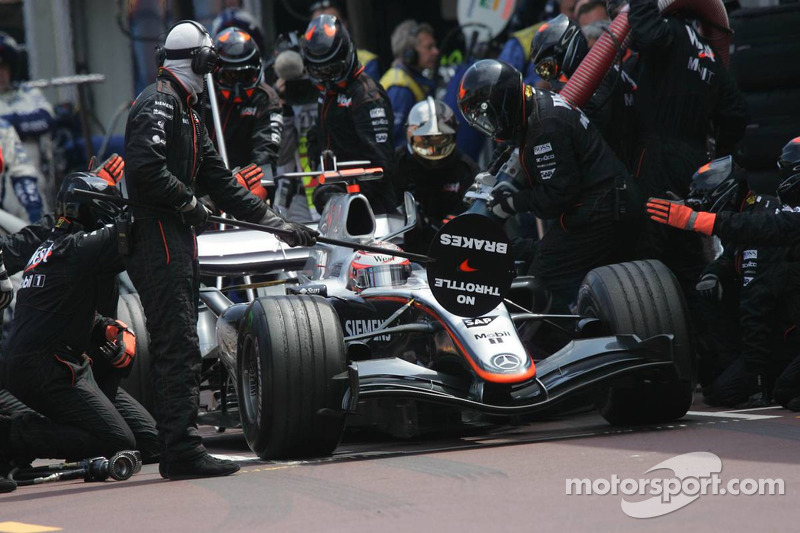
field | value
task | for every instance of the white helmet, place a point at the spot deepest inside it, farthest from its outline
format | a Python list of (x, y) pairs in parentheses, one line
[(372, 269)]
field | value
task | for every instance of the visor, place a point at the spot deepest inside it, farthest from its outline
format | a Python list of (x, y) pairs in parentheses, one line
[(433, 147), (334, 71), (381, 276), (481, 121), (547, 69), (245, 77)]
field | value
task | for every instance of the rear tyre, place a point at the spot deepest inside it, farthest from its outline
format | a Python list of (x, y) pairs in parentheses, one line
[(290, 347), (137, 384), (642, 298)]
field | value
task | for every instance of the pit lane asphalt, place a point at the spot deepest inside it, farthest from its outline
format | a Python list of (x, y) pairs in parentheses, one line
[(509, 478)]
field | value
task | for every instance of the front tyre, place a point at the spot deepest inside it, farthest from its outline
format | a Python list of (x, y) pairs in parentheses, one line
[(290, 347), (642, 298)]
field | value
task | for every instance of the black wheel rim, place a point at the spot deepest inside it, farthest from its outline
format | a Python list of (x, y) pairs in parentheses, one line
[(251, 381)]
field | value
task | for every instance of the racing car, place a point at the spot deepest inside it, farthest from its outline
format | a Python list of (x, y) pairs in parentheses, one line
[(371, 335)]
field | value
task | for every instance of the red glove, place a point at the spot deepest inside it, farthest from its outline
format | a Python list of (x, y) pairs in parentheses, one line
[(250, 178), (679, 216), (121, 346), (2, 161), (111, 170)]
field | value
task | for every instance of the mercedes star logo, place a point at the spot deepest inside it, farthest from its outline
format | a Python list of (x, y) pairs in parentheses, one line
[(506, 361)]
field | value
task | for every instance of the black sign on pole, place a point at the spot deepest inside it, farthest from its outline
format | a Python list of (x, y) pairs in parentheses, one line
[(474, 265)]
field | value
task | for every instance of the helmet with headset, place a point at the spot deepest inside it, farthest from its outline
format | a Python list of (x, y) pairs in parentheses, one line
[(188, 39)]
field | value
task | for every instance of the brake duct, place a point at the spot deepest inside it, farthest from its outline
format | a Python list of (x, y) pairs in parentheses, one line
[(586, 78)]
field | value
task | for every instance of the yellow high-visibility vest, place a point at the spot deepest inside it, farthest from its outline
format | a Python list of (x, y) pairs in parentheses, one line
[(399, 77)]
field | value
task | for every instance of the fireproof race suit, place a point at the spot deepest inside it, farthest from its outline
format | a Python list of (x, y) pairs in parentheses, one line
[(17, 249), (168, 158), (683, 92), (252, 126), (44, 358), (355, 122), (19, 190), (779, 228), (438, 189), (765, 275), (572, 175)]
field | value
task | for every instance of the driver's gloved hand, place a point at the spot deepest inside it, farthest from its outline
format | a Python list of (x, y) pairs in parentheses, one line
[(6, 289), (709, 287), (194, 213)]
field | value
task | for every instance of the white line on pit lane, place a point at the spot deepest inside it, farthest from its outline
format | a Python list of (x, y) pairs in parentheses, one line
[(731, 414), (769, 408)]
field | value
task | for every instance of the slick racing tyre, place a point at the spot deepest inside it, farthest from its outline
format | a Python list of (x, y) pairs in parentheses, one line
[(642, 298), (137, 384), (290, 348)]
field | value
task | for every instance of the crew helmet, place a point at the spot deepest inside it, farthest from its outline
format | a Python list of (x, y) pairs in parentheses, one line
[(558, 48), (717, 186), (91, 213), (789, 165), (431, 130), (491, 98), (328, 51), (236, 17), (239, 66)]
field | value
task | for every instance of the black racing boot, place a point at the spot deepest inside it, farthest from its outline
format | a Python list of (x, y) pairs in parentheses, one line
[(7, 485), (793, 404), (760, 396), (201, 466)]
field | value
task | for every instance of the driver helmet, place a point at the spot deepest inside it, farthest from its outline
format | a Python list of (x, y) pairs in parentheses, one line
[(789, 165), (431, 131), (328, 51), (239, 70), (372, 269), (491, 97), (88, 212), (717, 186), (558, 48)]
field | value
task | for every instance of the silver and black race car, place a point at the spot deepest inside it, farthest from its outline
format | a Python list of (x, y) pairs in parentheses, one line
[(384, 338)]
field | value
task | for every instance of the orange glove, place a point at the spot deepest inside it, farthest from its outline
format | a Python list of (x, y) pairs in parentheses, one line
[(250, 178), (2, 161), (679, 216), (121, 347), (111, 170)]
